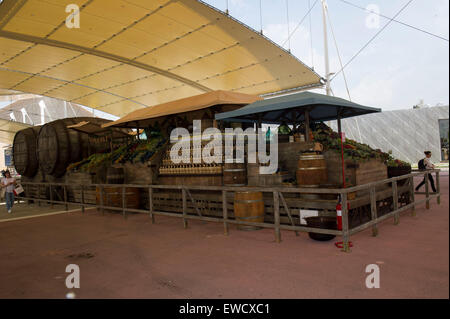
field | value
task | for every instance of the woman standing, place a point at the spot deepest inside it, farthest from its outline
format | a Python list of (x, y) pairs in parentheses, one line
[(9, 183)]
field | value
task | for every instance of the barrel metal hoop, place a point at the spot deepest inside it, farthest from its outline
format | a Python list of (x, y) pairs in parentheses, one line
[(249, 217), (311, 157), (248, 201), (311, 168)]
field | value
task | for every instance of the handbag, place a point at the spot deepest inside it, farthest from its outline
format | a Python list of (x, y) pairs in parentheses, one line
[(18, 190)]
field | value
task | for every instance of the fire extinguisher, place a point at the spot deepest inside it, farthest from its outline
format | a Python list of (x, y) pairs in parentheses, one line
[(340, 244), (339, 213)]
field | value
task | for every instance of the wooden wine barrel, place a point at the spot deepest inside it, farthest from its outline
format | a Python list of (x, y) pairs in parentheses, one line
[(249, 207), (58, 146), (112, 197), (234, 174), (312, 170), (24, 151), (115, 175)]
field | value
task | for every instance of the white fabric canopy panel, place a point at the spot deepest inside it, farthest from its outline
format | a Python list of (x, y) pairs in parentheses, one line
[(132, 54), (8, 129)]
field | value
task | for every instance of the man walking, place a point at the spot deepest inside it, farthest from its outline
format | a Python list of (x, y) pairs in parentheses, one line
[(425, 164)]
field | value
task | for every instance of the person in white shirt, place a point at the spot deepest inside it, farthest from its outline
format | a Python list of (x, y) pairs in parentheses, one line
[(428, 165), (9, 184)]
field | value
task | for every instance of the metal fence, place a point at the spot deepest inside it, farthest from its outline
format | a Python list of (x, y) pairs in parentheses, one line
[(279, 202)]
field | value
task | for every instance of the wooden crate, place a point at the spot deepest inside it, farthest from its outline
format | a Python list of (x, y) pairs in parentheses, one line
[(201, 180), (289, 153), (356, 173)]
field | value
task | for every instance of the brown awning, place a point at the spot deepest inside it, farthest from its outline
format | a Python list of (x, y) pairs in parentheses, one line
[(189, 104), (96, 129)]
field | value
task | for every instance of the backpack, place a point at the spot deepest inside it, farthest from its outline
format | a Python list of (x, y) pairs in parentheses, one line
[(421, 164)]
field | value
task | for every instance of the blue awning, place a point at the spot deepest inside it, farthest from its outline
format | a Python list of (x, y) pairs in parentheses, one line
[(290, 109)]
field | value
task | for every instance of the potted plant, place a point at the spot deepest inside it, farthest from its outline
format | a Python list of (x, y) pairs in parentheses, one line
[(397, 167)]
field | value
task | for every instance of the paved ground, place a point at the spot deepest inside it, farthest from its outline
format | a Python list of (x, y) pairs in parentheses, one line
[(22, 211), (132, 258)]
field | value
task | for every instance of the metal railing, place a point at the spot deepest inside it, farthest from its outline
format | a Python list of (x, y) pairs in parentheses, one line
[(277, 193)]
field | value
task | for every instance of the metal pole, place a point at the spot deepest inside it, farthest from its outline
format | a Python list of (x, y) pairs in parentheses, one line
[(345, 225), (341, 136), (325, 46), (307, 129)]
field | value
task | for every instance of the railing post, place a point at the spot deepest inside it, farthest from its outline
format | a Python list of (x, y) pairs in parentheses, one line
[(413, 197), (438, 188), (225, 212), (150, 204), (65, 198), (27, 187), (39, 194), (82, 198), (395, 199), (345, 225), (427, 191), (51, 195), (123, 202), (102, 209), (183, 196), (276, 212), (373, 210)]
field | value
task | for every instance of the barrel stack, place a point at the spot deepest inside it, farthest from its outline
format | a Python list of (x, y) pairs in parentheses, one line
[(58, 145), (24, 151)]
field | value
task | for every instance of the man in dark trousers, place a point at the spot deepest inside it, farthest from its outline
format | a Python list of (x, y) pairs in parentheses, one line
[(425, 164)]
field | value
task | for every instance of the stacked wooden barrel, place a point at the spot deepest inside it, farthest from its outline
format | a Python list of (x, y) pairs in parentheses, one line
[(58, 146), (234, 174), (312, 170), (24, 151), (311, 173), (249, 207)]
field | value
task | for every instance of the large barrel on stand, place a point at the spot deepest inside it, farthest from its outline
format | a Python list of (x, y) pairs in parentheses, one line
[(312, 170), (24, 151), (249, 207), (58, 146)]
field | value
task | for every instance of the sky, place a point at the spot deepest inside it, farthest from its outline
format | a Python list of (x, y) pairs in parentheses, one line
[(397, 70)]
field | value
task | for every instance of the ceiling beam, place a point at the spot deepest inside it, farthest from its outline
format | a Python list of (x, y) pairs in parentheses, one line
[(105, 55), (8, 9)]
